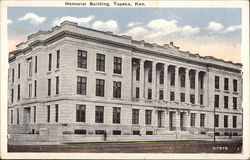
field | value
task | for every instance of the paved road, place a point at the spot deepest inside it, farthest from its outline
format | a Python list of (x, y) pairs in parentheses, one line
[(136, 147)]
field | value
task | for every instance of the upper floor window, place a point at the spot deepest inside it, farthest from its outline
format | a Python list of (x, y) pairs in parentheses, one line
[(13, 75), (192, 119), (49, 87), (201, 81), (225, 121), (137, 92), (161, 94), (29, 90), (82, 59), (234, 121), (18, 92), (100, 84), (225, 83), (149, 93), (50, 62), (56, 112), (117, 89), (202, 120), (192, 98), (81, 85), (35, 64), (12, 95), (30, 67), (48, 113), (11, 116), (234, 102), (183, 80), (116, 114), (150, 75), (135, 116), (35, 88), (235, 85), (19, 68), (162, 77), (117, 65), (216, 120), (148, 117), (172, 79), (57, 85), (225, 101), (138, 73), (99, 114), (100, 62), (172, 96), (182, 97), (192, 81), (216, 100), (34, 112), (217, 82), (201, 99), (58, 59), (80, 113)]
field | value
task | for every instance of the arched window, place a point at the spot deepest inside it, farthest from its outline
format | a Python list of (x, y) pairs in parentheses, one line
[(138, 74), (150, 75), (161, 77)]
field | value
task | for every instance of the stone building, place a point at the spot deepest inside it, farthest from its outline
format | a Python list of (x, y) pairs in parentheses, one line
[(76, 80)]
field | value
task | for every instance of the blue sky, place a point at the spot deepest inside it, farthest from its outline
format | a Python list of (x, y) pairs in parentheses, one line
[(207, 31)]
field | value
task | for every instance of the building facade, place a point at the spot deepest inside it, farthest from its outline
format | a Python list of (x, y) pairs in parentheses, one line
[(75, 80)]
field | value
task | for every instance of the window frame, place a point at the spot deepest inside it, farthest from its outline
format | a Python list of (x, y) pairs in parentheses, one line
[(100, 87), (117, 86), (82, 59), (81, 113), (116, 115), (81, 87), (99, 114), (100, 62), (117, 65), (135, 116)]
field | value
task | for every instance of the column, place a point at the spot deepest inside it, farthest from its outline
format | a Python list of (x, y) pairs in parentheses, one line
[(187, 86), (153, 80), (177, 87), (166, 82), (197, 87), (142, 79)]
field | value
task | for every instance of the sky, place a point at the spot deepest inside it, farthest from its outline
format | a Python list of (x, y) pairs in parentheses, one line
[(207, 31)]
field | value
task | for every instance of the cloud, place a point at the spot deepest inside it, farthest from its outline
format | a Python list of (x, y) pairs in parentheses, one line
[(133, 24), (32, 18), (214, 26), (81, 21), (233, 28), (110, 25), (9, 21)]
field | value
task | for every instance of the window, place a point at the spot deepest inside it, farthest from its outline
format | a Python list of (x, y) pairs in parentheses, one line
[(161, 94), (225, 121), (13, 75), (35, 64), (161, 77), (192, 98), (234, 102), (136, 132), (100, 62), (192, 81), (11, 116), (149, 93), (150, 76), (100, 87), (50, 61), (149, 132), (135, 116), (201, 99), (48, 113), (49, 87), (99, 114), (82, 59), (17, 116), (19, 68), (100, 131), (216, 120), (217, 82), (225, 101), (202, 120), (172, 79), (30, 90), (117, 65), (12, 95), (117, 132), (225, 83), (216, 101), (35, 88), (56, 112), (182, 80), (148, 117), (57, 85), (138, 74), (172, 96), (235, 85), (29, 67), (18, 92), (234, 121), (116, 114), (182, 97), (80, 113), (81, 85), (117, 89), (137, 92), (201, 81), (58, 59), (34, 118), (79, 131), (192, 119)]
